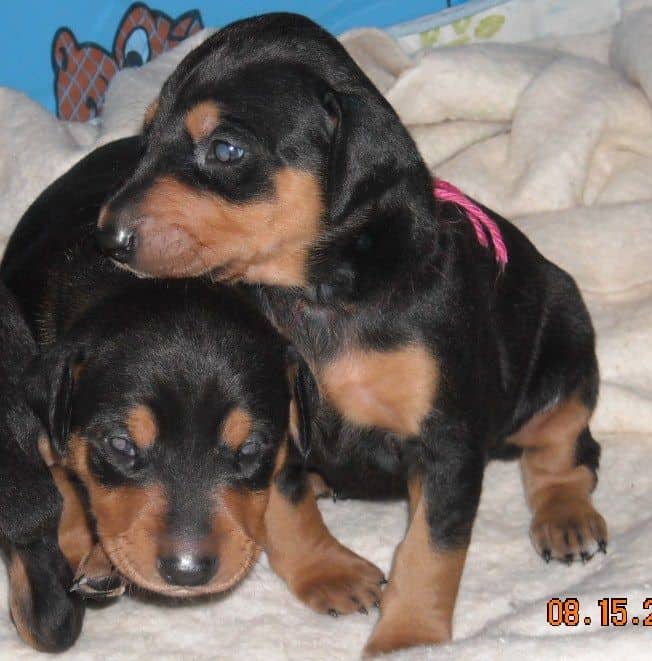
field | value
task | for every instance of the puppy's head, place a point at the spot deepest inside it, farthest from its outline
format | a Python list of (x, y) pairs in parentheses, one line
[(266, 143), (173, 414)]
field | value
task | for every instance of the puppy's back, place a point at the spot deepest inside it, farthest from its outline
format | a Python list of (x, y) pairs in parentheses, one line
[(59, 225)]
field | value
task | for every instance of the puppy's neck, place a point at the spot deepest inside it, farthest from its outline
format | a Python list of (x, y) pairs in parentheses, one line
[(381, 252)]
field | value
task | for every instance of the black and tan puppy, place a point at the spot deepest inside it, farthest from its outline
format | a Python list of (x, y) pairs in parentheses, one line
[(44, 612), (165, 407), (270, 159)]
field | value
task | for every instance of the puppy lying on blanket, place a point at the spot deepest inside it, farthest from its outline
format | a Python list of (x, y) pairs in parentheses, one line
[(271, 160), (166, 407), (45, 614)]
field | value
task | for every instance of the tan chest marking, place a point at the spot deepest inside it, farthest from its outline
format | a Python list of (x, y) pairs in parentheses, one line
[(392, 390)]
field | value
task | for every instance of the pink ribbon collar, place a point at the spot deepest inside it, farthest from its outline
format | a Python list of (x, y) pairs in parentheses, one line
[(485, 228)]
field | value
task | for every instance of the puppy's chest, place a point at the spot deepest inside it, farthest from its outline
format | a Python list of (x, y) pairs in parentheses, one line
[(390, 384)]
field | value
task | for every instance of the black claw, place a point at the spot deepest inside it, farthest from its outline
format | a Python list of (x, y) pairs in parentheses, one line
[(546, 555), (568, 559), (376, 604), (383, 581), (362, 610), (602, 545), (333, 613), (334, 496), (585, 556)]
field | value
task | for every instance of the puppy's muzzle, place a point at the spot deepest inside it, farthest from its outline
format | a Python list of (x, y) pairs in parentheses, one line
[(116, 235)]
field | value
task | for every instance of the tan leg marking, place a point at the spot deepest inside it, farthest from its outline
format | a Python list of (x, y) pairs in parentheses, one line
[(417, 606), (74, 533), (75, 537), (392, 390), (20, 600), (318, 485), (46, 452), (321, 572), (85, 557), (564, 524)]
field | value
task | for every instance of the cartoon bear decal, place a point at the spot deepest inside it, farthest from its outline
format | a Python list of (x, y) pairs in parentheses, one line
[(82, 71)]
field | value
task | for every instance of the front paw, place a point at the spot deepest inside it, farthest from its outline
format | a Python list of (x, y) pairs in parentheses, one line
[(400, 629), (96, 577), (566, 530), (319, 487), (339, 582), (46, 616)]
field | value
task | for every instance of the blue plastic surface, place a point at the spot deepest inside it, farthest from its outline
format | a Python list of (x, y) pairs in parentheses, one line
[(25, 50)]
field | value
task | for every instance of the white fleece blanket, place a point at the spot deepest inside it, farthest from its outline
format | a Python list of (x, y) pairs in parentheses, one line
[(556, 136)]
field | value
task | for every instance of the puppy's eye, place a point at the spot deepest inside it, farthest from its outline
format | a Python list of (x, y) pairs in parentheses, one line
[(251, 448), (225, 152), (122, 446), (251, 457)]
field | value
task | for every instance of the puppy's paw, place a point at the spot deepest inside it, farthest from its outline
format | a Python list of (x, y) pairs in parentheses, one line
[(46, 616), (568, 531), (99, 588), (319, 486), (339, 582), (401, 629), (96, 577)]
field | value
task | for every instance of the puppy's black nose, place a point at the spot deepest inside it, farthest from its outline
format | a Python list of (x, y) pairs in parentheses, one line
[(188, 569), (115, 242)]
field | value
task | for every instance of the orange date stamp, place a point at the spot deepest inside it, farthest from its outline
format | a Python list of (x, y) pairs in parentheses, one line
[(613, 612)]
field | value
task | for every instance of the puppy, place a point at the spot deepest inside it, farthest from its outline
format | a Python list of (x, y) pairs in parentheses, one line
[(166, 411), (44, 612), (271, 160)]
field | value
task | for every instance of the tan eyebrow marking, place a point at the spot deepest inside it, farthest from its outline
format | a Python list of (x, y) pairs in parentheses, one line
[(141, 425), (202, 119), (236, 428)]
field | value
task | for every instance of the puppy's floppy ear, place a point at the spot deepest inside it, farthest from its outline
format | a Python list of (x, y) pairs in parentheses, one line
[(49, 388), (370, 151)]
